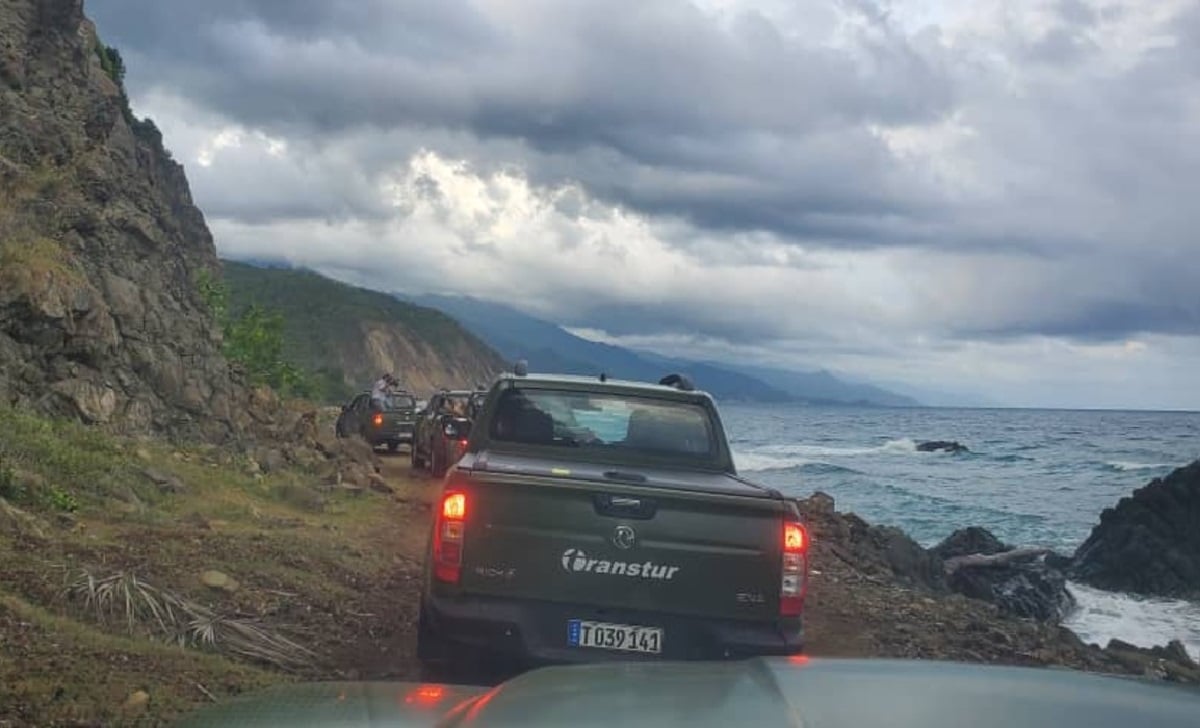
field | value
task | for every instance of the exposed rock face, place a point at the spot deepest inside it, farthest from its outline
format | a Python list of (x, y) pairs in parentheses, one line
[(1024, 589), (873, 550), (1019, 582), (1171, 662), (967, 541), (100, 246), (1150, 542), (857, 606), (359, 333)]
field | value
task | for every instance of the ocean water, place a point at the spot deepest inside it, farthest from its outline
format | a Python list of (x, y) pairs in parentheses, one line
[(1032, 477)]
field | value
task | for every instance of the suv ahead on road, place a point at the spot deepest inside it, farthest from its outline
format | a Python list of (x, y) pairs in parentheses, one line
[(441, 431), (391, 425), (595, 520)]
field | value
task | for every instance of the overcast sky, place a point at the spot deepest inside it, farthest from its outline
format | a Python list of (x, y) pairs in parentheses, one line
[(992, 197)]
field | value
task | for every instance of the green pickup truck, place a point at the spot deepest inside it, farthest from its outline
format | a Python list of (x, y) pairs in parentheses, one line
[(592, 520)]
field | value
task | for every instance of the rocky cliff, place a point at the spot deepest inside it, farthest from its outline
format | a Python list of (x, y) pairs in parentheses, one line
[(353, 334), (1150, 542), (100, 245)]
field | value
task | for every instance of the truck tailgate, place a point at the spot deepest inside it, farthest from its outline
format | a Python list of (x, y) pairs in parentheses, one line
[(622, 545)]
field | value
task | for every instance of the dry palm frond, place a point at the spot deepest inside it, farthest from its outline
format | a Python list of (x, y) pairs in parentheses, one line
[(246, 638), (124, 595), (121, 594)]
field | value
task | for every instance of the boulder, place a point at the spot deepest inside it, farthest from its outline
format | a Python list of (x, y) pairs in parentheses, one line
[(137, 701), (1170, 662), (1150, 542), (218, 580), (969, 540), (1021, 582), (1029, 589), (166, 482), (910, 564), (270, 460), (942, 446), (819, 502), (301, 496), (376, 482), (871, 550)]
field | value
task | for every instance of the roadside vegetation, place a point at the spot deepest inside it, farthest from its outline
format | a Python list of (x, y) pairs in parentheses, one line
[(143, 580), (253, 339)]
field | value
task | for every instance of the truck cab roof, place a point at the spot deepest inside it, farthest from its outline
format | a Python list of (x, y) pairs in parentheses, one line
[(601, 383)]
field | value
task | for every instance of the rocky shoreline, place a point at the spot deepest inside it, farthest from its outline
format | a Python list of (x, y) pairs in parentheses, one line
[(877, 592)]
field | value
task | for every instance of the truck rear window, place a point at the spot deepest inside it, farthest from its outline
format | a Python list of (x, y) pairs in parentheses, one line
[(606, 421)]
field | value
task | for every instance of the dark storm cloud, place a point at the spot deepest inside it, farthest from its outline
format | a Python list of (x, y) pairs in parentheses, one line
[(658, 86), (1090, 167)]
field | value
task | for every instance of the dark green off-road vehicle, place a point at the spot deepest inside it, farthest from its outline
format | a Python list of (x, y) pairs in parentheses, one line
[(592, 520)]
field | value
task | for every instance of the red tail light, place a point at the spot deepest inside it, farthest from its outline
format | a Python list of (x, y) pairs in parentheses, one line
[(377, 420), (425, 696), (448, 537), (794, 581)]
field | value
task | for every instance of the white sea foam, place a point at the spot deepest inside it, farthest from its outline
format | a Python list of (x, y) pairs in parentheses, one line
[(902, 445), (794, 455), (1145, 622), (758, 462), (1126, 466)]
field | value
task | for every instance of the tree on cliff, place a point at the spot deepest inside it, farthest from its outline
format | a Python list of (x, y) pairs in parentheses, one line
[(254, 339)]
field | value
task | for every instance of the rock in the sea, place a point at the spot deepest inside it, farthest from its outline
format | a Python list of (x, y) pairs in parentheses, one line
[(942, 446), (1020, 582), (969, 540), (1150, 542), (1023, 589)]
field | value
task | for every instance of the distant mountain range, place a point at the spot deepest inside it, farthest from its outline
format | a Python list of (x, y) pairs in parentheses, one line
[(549, 347)]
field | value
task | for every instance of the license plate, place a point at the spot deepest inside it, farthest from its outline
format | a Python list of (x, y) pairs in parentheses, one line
[(607, 636)]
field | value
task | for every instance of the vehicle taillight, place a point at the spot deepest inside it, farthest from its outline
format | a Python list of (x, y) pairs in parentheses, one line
[(795, 569), (448, 537), (377, 420), (425, 696)]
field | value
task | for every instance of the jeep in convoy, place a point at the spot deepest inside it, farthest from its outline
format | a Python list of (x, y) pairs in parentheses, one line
[(597, 520), (390, 425), (441, 431)]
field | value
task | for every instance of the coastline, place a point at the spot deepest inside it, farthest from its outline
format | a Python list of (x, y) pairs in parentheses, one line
[(866, 602)]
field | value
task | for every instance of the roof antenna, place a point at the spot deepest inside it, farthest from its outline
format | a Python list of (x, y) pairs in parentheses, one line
[(521, 368)]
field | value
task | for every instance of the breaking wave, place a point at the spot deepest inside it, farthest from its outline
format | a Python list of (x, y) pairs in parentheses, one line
[(1145, 622), (1123, 466)]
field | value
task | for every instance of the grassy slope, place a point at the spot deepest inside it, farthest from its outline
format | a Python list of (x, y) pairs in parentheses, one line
[(322, 316), (333, 571)]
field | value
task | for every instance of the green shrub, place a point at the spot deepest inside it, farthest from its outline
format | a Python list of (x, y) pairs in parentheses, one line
[(112, 63), (79, 460), (11, 489), (61, 500), (254, 339)]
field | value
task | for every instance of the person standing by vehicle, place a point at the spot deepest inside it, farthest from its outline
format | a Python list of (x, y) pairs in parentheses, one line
[(381, 391)]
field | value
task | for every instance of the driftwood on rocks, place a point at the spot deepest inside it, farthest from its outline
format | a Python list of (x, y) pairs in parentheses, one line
[(1004, 558)]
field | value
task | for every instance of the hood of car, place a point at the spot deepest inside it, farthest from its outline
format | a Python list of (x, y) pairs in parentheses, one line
[(797, 691)]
